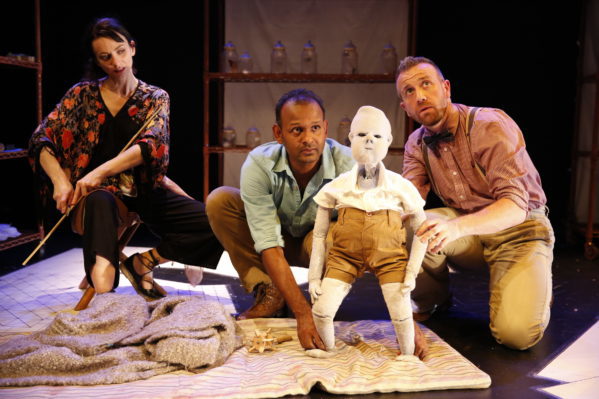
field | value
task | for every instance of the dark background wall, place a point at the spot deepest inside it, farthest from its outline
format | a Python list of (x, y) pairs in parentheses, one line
[(518, 56)]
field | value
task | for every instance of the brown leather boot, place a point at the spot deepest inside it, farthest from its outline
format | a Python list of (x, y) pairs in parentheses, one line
[(424, 316), (268, 303)]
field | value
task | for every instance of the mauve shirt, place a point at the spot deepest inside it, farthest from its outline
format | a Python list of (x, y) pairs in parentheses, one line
[(498, 147)]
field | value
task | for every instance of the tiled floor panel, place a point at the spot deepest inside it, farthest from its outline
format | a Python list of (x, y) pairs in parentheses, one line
[(565, 364)]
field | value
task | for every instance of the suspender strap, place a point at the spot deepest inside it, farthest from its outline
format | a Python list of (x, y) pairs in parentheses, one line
[(479, 168), (427, 165), (471, 115), (469, 122)]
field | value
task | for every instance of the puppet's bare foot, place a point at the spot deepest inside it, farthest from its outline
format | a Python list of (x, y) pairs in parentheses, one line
[(407, 358), (320, 354)]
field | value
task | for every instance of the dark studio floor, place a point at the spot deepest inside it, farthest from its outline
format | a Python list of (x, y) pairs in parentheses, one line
[(464, 326)]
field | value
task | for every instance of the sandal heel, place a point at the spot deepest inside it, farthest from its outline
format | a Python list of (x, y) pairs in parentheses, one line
[(136, 279)]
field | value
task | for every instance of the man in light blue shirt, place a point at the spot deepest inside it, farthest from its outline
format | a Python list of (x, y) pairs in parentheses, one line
[(267, 225)]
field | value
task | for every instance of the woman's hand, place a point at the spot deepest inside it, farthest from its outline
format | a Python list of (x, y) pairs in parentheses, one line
[(63, 194), (63, 189), (168, 184), (86, 184)]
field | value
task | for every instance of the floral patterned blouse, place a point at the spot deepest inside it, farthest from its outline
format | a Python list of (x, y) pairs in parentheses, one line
[(72, 131)]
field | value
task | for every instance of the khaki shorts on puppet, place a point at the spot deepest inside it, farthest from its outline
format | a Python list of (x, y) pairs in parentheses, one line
[(374, 241)]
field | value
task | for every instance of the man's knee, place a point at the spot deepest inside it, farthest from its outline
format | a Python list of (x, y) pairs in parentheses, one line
[(518, 336), (220, 199)]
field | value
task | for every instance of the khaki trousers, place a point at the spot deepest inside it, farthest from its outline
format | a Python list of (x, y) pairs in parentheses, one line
[(227, 218), (519, 261), (374, 241)]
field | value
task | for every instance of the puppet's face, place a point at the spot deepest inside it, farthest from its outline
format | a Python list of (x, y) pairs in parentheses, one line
[(370, 135)]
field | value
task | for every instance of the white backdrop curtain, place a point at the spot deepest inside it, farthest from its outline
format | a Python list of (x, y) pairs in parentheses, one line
[(255, 25)]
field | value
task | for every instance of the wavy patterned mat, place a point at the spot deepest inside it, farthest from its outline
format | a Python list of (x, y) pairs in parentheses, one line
[(365, 365)]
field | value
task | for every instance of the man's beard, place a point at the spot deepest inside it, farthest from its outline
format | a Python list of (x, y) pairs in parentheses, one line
[(431, 120)]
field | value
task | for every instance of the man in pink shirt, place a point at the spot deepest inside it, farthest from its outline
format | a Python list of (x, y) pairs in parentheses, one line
[(475, 160)]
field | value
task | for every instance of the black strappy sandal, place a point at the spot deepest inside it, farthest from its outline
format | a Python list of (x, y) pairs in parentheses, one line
[(136, 279)]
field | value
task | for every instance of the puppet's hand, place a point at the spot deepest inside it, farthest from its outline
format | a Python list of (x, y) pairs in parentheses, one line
[(315, 290), (408, 285)]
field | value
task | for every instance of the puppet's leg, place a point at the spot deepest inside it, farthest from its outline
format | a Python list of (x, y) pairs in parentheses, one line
[(324, 310), (400, 310)]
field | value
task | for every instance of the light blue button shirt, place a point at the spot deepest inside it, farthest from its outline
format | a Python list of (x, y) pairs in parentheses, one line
[(271, 195)]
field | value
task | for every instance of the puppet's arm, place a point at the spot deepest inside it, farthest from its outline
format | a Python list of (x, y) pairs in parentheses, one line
[(417, 251), (317, 258)]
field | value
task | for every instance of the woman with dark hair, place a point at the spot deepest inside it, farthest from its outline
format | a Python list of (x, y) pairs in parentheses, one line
[(78, 147)]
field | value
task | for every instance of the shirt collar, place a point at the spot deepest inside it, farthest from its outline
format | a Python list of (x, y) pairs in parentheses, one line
[(327, 165), (428, 133), (381, 181), (282, 165), (462, 114)]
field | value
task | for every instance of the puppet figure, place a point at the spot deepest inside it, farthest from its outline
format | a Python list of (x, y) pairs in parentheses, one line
[(372, 203)]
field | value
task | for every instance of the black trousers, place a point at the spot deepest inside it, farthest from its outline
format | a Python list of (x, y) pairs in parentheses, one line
[(180, 223)]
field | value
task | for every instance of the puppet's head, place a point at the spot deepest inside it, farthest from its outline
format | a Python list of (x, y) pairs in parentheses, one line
[(370, 135)]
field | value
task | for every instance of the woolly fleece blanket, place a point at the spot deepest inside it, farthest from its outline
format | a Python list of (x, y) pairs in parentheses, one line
[(122, 338)]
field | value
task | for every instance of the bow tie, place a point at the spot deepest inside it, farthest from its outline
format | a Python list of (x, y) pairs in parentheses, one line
[(433, 141)]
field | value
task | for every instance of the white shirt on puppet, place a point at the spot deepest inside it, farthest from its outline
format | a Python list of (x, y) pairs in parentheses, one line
[(392, 192)]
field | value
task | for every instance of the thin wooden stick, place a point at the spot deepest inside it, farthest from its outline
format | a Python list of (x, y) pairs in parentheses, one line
[(42, 242), (142, 128)]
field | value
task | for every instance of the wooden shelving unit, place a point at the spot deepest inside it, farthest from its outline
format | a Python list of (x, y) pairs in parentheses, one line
[(213, 86), (7, 63), (587, 228), (299, 78), (13, 154)]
